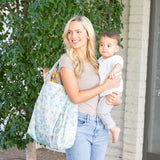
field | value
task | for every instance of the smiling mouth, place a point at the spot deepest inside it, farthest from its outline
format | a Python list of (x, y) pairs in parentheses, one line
[(75, 42)]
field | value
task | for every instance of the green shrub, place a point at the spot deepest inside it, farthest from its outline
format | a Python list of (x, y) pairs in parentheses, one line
[(32, 41)]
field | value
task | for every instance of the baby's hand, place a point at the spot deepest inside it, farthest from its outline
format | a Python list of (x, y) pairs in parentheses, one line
[(111, 75)]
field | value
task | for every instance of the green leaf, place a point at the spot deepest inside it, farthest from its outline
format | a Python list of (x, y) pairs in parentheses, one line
[(36, 42)]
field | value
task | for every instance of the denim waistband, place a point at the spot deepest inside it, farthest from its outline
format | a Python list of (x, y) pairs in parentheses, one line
[(88, 117)]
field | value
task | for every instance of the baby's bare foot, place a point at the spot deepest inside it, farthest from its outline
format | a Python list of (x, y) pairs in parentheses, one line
[(115, 134)]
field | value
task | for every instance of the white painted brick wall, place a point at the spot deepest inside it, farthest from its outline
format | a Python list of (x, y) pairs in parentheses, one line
[(130, 115), (136, 79)]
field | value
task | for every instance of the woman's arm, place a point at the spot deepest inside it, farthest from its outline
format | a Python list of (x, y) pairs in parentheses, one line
[(71, 86), (114, 99)]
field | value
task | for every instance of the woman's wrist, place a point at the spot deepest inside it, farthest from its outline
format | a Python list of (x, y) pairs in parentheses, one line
[(104, 87)]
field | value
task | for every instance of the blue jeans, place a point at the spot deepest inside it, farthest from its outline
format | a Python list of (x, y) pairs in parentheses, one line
[(91, 139)]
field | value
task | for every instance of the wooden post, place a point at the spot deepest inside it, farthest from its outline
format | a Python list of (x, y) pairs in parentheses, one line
[(31, 151)]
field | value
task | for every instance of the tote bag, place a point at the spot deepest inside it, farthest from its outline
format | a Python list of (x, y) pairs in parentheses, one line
[(54, 118)]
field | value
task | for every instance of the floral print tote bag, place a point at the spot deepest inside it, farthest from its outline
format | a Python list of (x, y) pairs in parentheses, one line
[(54, 118)]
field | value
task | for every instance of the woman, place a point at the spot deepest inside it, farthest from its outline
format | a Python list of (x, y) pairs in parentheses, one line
[(79, 73)]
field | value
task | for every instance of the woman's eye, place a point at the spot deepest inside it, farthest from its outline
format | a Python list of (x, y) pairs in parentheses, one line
[(69, 32), (78, 32)]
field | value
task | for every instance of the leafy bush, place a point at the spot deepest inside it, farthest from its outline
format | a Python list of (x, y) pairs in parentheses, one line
[(33, 40)]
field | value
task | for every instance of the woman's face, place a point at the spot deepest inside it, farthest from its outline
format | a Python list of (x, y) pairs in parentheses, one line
[(77, 35)]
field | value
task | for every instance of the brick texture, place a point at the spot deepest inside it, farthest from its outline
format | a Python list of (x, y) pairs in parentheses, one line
[(130, 115)]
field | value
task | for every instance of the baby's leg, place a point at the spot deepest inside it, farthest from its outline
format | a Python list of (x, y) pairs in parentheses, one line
[(104, 112)]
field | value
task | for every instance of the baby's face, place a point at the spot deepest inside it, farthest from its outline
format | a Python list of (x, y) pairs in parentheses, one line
[(108, 46)]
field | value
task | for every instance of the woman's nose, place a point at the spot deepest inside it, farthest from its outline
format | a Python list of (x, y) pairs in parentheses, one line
[(73, 35)]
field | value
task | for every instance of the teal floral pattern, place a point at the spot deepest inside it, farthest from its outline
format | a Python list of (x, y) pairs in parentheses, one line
[(54, 119)]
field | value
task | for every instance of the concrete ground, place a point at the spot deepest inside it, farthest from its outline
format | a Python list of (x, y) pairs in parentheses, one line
[(42, 154)]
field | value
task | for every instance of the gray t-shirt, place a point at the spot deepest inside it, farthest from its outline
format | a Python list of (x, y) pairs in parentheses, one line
[(89, 79)]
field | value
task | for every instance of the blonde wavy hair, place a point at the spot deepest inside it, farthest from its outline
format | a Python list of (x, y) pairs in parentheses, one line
[(77, 61)]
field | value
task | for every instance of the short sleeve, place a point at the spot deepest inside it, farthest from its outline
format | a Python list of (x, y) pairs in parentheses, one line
[(118, 59), (65, 61)]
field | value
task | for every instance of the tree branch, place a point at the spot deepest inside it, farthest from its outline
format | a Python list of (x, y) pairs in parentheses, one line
[(26, 4), (17, 6)]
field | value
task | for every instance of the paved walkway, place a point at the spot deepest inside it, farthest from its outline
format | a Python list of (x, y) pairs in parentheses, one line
[(42, 154)]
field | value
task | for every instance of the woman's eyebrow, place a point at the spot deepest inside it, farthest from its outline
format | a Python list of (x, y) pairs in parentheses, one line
[(74, 29)]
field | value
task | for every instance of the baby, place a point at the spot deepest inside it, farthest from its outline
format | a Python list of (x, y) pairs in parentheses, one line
[(109, 66)]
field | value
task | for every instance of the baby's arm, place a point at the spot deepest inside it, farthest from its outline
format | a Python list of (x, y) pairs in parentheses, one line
[(117, 68)]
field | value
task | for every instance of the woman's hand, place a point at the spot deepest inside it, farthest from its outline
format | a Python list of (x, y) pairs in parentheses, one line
[(114, 99), (112, 83)]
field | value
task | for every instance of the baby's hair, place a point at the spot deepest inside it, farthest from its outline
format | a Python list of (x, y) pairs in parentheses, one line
[(112, 34)]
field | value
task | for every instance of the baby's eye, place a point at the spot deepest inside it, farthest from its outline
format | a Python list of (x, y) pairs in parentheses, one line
[(101, 45), (108, 46)]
